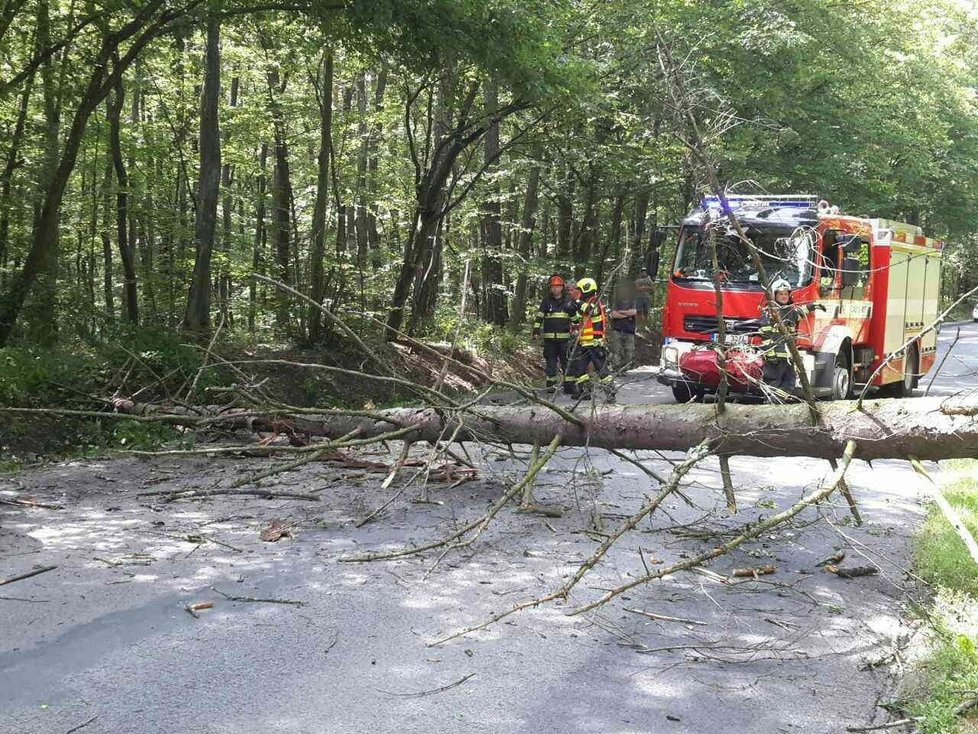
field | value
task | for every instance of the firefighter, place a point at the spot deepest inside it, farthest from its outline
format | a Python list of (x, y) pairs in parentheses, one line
[(590, 323), (553, 323), (779, 369)]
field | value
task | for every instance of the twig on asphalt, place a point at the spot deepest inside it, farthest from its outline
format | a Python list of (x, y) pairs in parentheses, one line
[(422, 694), (694, 456), (887, 725), (170, 495), (750, 532), (257, 600), (30, 503), (479, 525), (81, 726), (666, 617), (20, 577)]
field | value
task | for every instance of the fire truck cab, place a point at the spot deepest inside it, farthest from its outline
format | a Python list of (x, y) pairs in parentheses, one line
[(878, 281)]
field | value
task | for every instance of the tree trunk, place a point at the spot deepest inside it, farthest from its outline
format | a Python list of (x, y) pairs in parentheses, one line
[(108, 290), (527, 225), (638, 232), (257, 245), (612, 246), (373, 237), (931, 429), (114, 110), (318, 249), (426, 287), (496, 311), (360, 201), (281, 199), (44, 302), (227, 209), (6, 178), (198, 314), (565, 218), (430, 198), (584, 250)]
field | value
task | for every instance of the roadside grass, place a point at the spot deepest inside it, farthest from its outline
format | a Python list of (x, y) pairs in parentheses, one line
[(950, 669)]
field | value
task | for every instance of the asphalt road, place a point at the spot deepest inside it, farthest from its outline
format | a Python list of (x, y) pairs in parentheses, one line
[(104, 641)]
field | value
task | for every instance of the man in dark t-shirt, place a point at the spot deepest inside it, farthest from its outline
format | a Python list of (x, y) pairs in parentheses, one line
[(623, 315)]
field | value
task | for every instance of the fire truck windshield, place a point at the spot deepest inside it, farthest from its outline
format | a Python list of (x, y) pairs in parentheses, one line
[(786, 252)]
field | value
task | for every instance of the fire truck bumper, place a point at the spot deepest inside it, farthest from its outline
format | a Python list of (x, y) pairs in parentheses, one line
[(671, 376)]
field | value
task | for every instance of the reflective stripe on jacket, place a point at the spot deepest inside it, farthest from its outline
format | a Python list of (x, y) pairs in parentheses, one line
[(774, 344), (553, 319), (593, 318)]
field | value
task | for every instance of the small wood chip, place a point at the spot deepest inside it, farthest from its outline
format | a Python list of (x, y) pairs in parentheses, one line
[(275, 531), (754, 571), (192, 609), (854, 572), (835, 558)]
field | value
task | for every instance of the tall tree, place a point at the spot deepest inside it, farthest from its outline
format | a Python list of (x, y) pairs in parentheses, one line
[(492, 232), (317, 254), (123, 240), (198, 314)]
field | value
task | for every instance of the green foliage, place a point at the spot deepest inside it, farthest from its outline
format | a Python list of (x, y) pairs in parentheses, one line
[(951, 670), (139, 436), (869, 104), (33, 376), (941, 558), (493, 342)]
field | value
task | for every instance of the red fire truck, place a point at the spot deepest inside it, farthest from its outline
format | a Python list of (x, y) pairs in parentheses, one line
[(878, 281)]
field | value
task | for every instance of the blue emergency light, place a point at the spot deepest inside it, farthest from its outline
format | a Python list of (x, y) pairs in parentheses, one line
[(745, 201)]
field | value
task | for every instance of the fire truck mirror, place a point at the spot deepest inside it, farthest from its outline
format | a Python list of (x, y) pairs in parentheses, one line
[(852, 274), (658, 238), (652, 263)]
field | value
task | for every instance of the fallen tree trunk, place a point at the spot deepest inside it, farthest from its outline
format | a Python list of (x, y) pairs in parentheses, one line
[(926, 428)]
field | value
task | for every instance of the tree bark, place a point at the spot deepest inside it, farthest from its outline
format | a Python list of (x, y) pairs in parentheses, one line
[(126, 255), (108, 289), (6, 178), (198, 314), (376, 261), (281, 198), (257, 245), (611, 245), (565, 217), (496, 311), (926, 428), (360, 198), (227, 211), (44, 300), (527, 225), (318, 250)]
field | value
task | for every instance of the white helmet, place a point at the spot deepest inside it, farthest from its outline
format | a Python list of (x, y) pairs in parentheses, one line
[(780, 284)]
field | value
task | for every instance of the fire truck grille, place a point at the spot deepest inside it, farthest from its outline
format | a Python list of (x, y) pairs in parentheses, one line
[(708, 324)]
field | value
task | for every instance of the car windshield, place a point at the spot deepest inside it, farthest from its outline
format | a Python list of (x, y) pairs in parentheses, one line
[(785, 252)]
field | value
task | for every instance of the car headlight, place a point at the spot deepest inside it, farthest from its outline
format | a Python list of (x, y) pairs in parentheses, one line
[(670, 355)]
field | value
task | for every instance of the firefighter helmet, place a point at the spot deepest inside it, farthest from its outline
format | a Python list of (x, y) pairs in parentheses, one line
[(555, 281), (780, 285), (587, 285)]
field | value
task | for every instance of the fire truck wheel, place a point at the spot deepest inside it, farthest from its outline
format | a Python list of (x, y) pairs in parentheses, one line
[(683, 393), (911, 368), (842, 378)]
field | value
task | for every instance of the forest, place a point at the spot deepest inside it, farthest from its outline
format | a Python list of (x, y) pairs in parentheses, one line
[(420, 166), (272, 438)]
